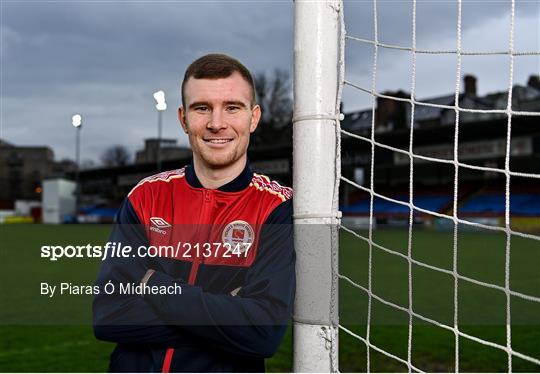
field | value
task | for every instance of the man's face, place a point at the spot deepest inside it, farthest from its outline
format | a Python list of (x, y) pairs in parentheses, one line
[(219, 119)]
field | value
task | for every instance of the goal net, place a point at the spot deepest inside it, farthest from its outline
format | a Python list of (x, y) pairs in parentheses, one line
[(423, 206)]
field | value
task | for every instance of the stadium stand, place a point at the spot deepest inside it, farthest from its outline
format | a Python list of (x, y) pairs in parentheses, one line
[(482, 142)]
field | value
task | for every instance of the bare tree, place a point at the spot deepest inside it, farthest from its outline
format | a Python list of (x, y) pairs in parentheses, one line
[(116, 155), (274, 95)]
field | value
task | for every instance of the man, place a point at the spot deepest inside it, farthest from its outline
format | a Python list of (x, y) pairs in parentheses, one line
[(233, 227)]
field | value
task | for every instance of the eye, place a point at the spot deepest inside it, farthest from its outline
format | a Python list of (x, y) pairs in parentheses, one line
[(201, 109), (232, 108)]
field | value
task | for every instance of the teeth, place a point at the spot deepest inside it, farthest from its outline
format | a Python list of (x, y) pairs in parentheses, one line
[(218, 141)]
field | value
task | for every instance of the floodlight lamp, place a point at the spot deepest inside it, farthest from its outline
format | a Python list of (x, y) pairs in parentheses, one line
[(159, 96), (76, 120)]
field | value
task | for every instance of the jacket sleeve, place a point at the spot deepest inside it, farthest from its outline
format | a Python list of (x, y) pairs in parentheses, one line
[(254, 321), (127, 318)]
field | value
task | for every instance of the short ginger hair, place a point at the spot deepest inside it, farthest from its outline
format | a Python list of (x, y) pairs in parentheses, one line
[(216, 66)]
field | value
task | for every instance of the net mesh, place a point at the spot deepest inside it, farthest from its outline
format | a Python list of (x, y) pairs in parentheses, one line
[(457, 222)]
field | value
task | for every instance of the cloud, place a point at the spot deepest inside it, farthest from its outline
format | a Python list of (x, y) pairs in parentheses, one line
[(485, 27), (105, 59)]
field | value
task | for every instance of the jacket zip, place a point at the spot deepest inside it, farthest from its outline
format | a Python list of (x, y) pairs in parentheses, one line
[(191, 281), (170, 351)]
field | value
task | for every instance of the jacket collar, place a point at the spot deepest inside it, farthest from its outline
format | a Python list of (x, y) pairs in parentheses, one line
[(237, 184)]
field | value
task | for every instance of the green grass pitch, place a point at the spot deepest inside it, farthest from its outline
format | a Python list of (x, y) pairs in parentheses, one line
[(29, 342)]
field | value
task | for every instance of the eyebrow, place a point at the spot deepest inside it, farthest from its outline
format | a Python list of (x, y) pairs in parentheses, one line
[(237, 103), (198, 103), (206, 103)]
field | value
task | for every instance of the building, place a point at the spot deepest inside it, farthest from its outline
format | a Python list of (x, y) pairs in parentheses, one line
[(482, 136), (169, 151), (481, 153), (22, 170)]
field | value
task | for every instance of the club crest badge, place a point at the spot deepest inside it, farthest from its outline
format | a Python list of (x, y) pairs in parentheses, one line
[(239, 234)]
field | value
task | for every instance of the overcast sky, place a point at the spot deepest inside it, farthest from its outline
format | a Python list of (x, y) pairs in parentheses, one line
[(104, 59)]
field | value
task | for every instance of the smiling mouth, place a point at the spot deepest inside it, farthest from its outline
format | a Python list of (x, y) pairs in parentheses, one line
[(218, 141)]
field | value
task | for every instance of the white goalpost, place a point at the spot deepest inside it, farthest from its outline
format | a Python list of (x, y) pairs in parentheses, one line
[(317, 87), (319, 78)]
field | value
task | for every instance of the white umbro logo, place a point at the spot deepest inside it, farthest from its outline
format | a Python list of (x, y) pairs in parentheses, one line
[(159, 222)]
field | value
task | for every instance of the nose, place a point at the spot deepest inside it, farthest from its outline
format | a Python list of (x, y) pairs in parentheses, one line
[(217, 121)]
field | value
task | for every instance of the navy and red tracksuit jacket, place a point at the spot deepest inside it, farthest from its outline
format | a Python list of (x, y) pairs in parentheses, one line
[(233, 310)]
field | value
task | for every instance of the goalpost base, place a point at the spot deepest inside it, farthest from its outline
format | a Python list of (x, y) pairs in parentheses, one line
[(318, 352)]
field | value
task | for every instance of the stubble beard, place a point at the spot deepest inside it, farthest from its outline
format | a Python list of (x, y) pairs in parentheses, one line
[(216, 162)]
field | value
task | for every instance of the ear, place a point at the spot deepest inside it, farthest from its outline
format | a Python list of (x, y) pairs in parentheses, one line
[(182, 119), (255, 118)]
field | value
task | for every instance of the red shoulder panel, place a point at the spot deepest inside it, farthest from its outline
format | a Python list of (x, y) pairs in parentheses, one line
[(165, 176)]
